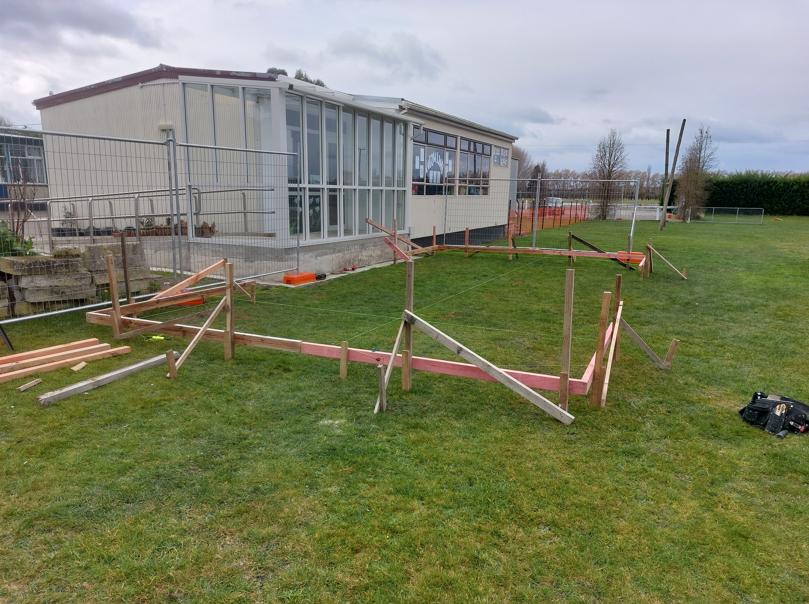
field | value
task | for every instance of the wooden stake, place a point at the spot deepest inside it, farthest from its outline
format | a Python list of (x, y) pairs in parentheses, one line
[(116, 307), (611, 356), (570, 258), (381, 403), (435, 240), (407, 351), (395, 240), (598, 373), (198, 336), (171, 361), (616, 302), (510, 245), (567, 339), (343, 360), (466, 241), (230, 321), (670, 353), (125, 264)]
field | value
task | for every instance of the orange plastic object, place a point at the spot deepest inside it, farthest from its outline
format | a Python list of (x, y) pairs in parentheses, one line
[(298, 278), (631, 258)]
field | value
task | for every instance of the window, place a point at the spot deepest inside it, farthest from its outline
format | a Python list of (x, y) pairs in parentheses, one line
[(388, 153), (198, 118), (295, 214), (333, 213), (348, 212), (363, 156), (293, 109), (315, 215), (500, 156), (22, 162), (227, 118), (434, 164), (400, 155), (400, 209), (332, 149), (257, 116), (390, 210), (313, 171), (363, 211), (348, 147), (376, 206), (475, 168), (376, 152)]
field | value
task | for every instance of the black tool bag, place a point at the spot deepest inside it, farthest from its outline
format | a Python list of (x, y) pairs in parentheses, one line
[(776, 414)]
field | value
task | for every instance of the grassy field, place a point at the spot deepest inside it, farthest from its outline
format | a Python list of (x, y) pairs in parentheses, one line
[(267, 478)]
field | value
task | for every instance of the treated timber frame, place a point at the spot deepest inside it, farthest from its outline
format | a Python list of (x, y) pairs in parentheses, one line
[(594, 381)]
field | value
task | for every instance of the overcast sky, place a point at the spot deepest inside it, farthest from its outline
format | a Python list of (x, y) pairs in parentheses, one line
[(557, 74)]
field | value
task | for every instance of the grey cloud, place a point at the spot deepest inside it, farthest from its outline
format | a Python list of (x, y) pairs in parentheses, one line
[(535, 115), (42, 24), (403, 56)]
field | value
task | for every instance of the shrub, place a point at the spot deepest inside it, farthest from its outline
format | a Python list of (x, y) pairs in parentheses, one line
[(776, 193)]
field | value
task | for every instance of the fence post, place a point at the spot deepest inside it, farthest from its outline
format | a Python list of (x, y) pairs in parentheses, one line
[(90, 219), (137, 215), (537, 197), (737, 215), (169, 138), (446, 202)]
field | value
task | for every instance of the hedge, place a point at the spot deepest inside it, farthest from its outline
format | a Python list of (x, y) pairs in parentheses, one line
[(776, 193)]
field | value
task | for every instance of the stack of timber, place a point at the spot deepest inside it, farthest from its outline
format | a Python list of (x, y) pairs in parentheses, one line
[(39, 283), (95, 260), (43, 360)]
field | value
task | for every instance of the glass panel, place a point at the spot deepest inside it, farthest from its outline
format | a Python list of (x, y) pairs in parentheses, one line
[(418, 163), (313, 142), (348, 147), (363, 211), (419, 135), (465, 145), (295, 215), (484, 172), (400, 209), (333, 213), (348, 212), (400, 154), (435, 138), (376, 152), (376, 206), (388, 153), (293, 110), (463, 171), (257, 117), (390, 212), (362, 149), (451, 141), (435, 170), (315, 215), (331, 145), (487, 149), (198, 118), (227, 116)]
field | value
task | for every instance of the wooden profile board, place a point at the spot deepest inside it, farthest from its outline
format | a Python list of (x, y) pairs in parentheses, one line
[(623, 257), (357, 355)]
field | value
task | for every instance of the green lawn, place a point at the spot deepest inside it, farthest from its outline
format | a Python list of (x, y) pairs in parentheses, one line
[(267, 478)]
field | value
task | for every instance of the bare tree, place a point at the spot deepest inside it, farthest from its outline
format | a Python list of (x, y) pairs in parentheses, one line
[(4, 123), (526, 162), (699, 161), (609, 163)]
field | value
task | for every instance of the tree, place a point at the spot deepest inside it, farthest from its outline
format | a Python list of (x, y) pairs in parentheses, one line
[(276, 71), (526, 162), (4, 123), (609, 163), (699, 161), (300, 74)]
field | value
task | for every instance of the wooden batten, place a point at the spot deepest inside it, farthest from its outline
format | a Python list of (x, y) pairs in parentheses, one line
[(567, 339), (116, 308), (68, 362), (343, 360), (189, 281), (598, 372), (41, 352), (611, 355)]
